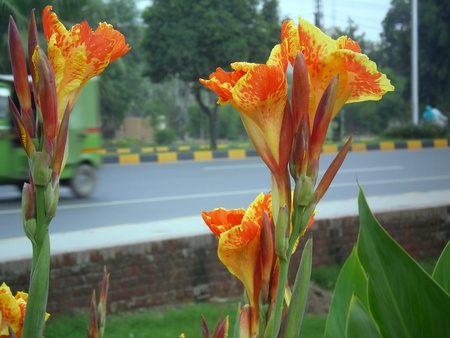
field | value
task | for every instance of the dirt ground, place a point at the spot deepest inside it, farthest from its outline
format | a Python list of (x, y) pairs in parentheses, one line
[(319, 300)]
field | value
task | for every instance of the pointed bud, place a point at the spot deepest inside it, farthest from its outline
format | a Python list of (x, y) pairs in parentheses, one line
[(33, 42), (331, 171), (19, 66), (51, 198), (29, 211), (322, 120), (245, 330), (282, 232), (286, 135), (300, 151), (44, 81), (267, 256), (61, 144), (303, 191), (300, 91), (39, 167), (24, 133)]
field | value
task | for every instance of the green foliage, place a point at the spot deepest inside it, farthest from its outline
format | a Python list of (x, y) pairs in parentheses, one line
[(382, 289), (433, 34), (165, 136), (168, 322), (422, 131), (229, 124)]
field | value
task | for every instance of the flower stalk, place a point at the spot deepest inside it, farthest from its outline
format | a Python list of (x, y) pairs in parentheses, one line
[(43, 134)]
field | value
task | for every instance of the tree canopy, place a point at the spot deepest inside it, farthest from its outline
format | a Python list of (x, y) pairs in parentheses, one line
[(189, 39), (434, 39)]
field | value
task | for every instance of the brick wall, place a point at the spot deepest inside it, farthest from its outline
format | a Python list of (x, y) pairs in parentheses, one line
[(187, 269)]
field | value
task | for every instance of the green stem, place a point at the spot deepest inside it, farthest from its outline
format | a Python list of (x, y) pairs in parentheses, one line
[(279, 301), (40, 272)]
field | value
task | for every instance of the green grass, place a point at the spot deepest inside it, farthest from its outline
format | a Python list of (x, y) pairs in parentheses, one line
[(162, 323)]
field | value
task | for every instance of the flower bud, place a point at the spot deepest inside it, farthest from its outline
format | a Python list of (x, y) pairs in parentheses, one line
[(51, 198), (40, 168), (303, 191)]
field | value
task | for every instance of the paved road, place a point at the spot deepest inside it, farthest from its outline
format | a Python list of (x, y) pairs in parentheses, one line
[(129, 194)]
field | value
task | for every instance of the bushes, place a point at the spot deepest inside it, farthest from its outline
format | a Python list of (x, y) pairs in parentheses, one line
[(422, 131), (165, 136)]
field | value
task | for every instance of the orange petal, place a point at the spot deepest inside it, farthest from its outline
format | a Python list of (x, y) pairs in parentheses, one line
[(221, 220), (120, 47), (345, 42)]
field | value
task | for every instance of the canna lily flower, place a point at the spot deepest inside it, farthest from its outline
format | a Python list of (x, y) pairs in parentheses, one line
[(12, 311), (239, 234), (359, 79), (259, 93), (78, 54)]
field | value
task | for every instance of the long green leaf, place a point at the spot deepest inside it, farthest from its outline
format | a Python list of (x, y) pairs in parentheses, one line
[(359, 322), (351, 281), (297, 306), (404, 300), (441, 273)]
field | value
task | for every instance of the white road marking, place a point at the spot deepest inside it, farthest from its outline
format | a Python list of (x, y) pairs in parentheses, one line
[(231, 193)]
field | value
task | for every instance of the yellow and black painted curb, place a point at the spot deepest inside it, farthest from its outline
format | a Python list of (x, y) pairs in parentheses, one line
[(166, 154)]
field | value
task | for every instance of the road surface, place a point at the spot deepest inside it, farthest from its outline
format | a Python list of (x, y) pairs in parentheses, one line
[(129, 194)]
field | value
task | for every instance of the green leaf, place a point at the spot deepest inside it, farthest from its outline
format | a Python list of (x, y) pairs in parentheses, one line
[(404, 300), (441, 273), (297, 306), (351, 281), (359, 322)]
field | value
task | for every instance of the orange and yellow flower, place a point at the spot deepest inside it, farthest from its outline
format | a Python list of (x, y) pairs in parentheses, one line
[(259, 93), (12, 311), (239, 233), (78, 54), (359, 79)]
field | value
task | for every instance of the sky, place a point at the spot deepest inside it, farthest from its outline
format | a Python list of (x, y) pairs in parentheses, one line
[(367, 14)]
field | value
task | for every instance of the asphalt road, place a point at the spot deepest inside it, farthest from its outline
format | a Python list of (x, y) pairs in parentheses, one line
[(129, 194)]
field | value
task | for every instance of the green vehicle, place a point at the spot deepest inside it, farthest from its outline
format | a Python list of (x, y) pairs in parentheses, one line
[(85, 142)]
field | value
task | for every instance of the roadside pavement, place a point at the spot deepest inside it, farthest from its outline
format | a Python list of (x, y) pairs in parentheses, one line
[(122, 234)]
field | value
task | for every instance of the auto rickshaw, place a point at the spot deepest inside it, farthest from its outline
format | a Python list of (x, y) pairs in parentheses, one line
[(85, 142)]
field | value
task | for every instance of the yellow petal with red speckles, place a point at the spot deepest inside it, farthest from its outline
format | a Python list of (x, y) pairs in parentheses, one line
[(10, 311), (78, 54), (261, 97)]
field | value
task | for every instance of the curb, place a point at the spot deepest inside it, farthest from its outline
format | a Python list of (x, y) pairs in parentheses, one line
[(166, 154)]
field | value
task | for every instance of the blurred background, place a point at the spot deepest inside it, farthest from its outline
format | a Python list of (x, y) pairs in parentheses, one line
[(152, 94)]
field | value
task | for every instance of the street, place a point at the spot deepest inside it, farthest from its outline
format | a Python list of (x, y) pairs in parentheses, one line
[(129, 194)]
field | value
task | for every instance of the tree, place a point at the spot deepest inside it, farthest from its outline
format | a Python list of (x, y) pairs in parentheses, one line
[(434, 38), (189, 39)]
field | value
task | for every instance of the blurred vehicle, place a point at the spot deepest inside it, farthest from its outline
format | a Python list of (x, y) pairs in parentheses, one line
[(434, 116), (84, 142)]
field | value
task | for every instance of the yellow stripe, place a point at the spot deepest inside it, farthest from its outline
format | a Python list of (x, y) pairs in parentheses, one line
[(414, 144), (330, 149), (202, 155), (387, 145), (167, 157), (440, 143), (129, 159), (123, 150), (222, 146), (162, 149), (184, 148), (237, 153), (147, 149), (359, 147)]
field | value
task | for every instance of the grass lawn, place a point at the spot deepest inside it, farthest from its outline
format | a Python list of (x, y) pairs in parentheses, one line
[(167, 322)]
